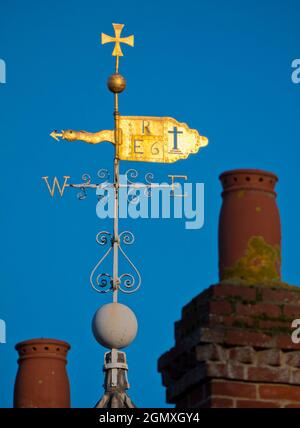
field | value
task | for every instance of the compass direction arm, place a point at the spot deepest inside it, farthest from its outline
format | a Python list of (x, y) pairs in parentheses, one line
[(86, 137)]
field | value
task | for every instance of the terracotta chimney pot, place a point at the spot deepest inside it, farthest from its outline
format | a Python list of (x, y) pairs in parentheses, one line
[(249, 228), (42, 379)]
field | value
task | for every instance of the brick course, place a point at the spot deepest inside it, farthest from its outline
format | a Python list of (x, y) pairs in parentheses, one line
[(234, 349)]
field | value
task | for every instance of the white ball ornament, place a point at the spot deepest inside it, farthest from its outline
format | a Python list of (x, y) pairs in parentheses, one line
[(114, 326)]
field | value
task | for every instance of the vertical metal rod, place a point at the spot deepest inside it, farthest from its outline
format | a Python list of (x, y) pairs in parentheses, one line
[(116, 241)]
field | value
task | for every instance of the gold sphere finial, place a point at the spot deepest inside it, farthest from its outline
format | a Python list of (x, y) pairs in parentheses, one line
[(116, 83)]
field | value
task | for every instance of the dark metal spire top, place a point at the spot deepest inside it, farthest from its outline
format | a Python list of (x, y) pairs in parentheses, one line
[(116, 381)]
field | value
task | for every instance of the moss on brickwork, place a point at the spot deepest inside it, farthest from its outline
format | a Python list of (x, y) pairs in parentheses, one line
[(274, 331), (233, 300), (255, 327), (259, 295), (242, 324), (254, 324), (273, 285)]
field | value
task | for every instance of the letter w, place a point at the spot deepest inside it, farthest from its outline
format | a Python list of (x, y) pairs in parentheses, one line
[(61, 189)]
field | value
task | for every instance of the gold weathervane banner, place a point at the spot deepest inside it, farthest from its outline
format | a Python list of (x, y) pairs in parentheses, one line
[(146, 139), (157, 139)]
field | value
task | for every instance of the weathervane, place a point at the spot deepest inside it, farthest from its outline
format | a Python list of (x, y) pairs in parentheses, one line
[(135, 138)]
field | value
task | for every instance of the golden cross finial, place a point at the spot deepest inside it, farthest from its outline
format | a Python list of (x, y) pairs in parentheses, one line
[(117, 39)]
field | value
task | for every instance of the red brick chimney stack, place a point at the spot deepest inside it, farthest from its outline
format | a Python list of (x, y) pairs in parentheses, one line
[(233, 345)]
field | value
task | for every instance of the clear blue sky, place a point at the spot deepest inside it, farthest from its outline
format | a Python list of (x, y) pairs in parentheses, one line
[(224, 68)]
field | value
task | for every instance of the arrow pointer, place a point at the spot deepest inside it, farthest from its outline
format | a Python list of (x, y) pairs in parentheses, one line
[(56, 134)]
